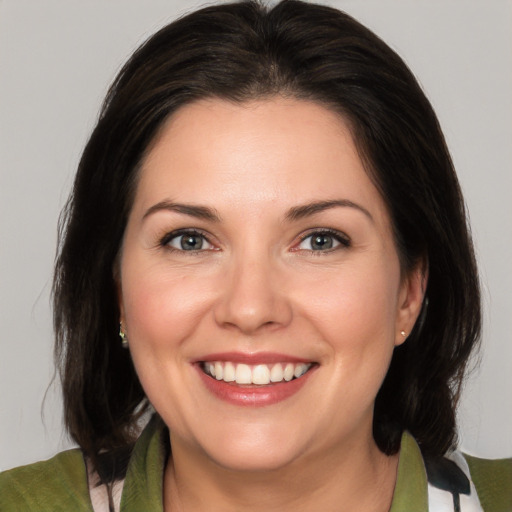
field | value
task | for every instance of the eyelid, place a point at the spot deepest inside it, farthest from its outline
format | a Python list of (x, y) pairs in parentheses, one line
[(339, 236), (164, 240)]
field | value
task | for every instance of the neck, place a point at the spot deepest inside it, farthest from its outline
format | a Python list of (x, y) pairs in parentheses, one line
[(352, 478)]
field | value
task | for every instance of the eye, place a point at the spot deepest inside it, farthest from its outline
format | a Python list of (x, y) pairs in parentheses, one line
[(325, 240), (187, 240)]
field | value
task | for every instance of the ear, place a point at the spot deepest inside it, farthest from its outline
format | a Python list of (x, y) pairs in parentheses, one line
[(410, 300)]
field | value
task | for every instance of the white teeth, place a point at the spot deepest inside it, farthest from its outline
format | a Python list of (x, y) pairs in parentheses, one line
[(219, 370), (289, 370), (243, 374), (276, 374), (300, 370), (229, 372), (260, 374)]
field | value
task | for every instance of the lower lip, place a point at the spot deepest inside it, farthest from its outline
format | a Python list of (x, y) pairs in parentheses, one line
[(248, 396)]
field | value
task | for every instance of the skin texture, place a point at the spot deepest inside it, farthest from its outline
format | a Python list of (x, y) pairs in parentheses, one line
[(257, 286)]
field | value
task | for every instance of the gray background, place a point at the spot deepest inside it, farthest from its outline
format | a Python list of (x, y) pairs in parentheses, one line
[(57, 58)]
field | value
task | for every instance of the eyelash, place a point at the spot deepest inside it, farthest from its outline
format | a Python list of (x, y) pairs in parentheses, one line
[(168, 237), (339, 237)]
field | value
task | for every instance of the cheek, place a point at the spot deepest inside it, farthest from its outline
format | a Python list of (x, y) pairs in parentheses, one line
[(355, 316), (162, 313), (162, 308), (355, 303)]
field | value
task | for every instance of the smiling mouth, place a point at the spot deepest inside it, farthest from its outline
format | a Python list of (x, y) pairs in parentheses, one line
[(259, 374)]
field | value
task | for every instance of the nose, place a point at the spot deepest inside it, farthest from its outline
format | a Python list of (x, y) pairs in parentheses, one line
[(253, 297)]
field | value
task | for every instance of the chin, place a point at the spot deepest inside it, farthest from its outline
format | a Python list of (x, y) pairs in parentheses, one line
[(256, 449), (250, 461)]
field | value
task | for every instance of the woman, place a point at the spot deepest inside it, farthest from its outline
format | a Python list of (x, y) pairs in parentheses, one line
[(257, 246)]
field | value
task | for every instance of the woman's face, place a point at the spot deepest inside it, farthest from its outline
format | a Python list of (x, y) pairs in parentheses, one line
[(260, 287)]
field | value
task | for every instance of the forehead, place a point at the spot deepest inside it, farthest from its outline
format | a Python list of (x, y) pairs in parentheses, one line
[(259, 153)]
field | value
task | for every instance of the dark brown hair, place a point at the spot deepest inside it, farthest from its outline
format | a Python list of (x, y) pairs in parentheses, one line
[(244, 51)]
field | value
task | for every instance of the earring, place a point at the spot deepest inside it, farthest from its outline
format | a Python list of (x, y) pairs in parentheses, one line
[(403, 333), (122, 335)]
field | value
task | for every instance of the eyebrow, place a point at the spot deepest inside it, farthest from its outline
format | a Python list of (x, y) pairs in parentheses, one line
[(307, 210), (199, 212), (293, 214)]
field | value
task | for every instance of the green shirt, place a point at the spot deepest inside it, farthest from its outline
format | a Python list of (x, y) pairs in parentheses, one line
[(60, 484)]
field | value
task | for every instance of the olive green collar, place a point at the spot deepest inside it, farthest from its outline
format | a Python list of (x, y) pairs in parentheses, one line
[(143, 485), (411, 489), (143, 489)]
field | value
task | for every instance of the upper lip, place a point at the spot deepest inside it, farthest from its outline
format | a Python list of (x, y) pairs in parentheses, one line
[(252, 358)]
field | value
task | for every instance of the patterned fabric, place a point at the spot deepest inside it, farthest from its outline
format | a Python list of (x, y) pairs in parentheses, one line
[(61, 484), (443, 501)]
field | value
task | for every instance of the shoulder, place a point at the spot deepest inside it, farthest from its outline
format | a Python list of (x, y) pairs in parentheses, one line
[(493, 482), (57, 484)]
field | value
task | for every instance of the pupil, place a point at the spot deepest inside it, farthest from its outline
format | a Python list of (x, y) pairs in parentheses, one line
[(322, 242), (191, 242)]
